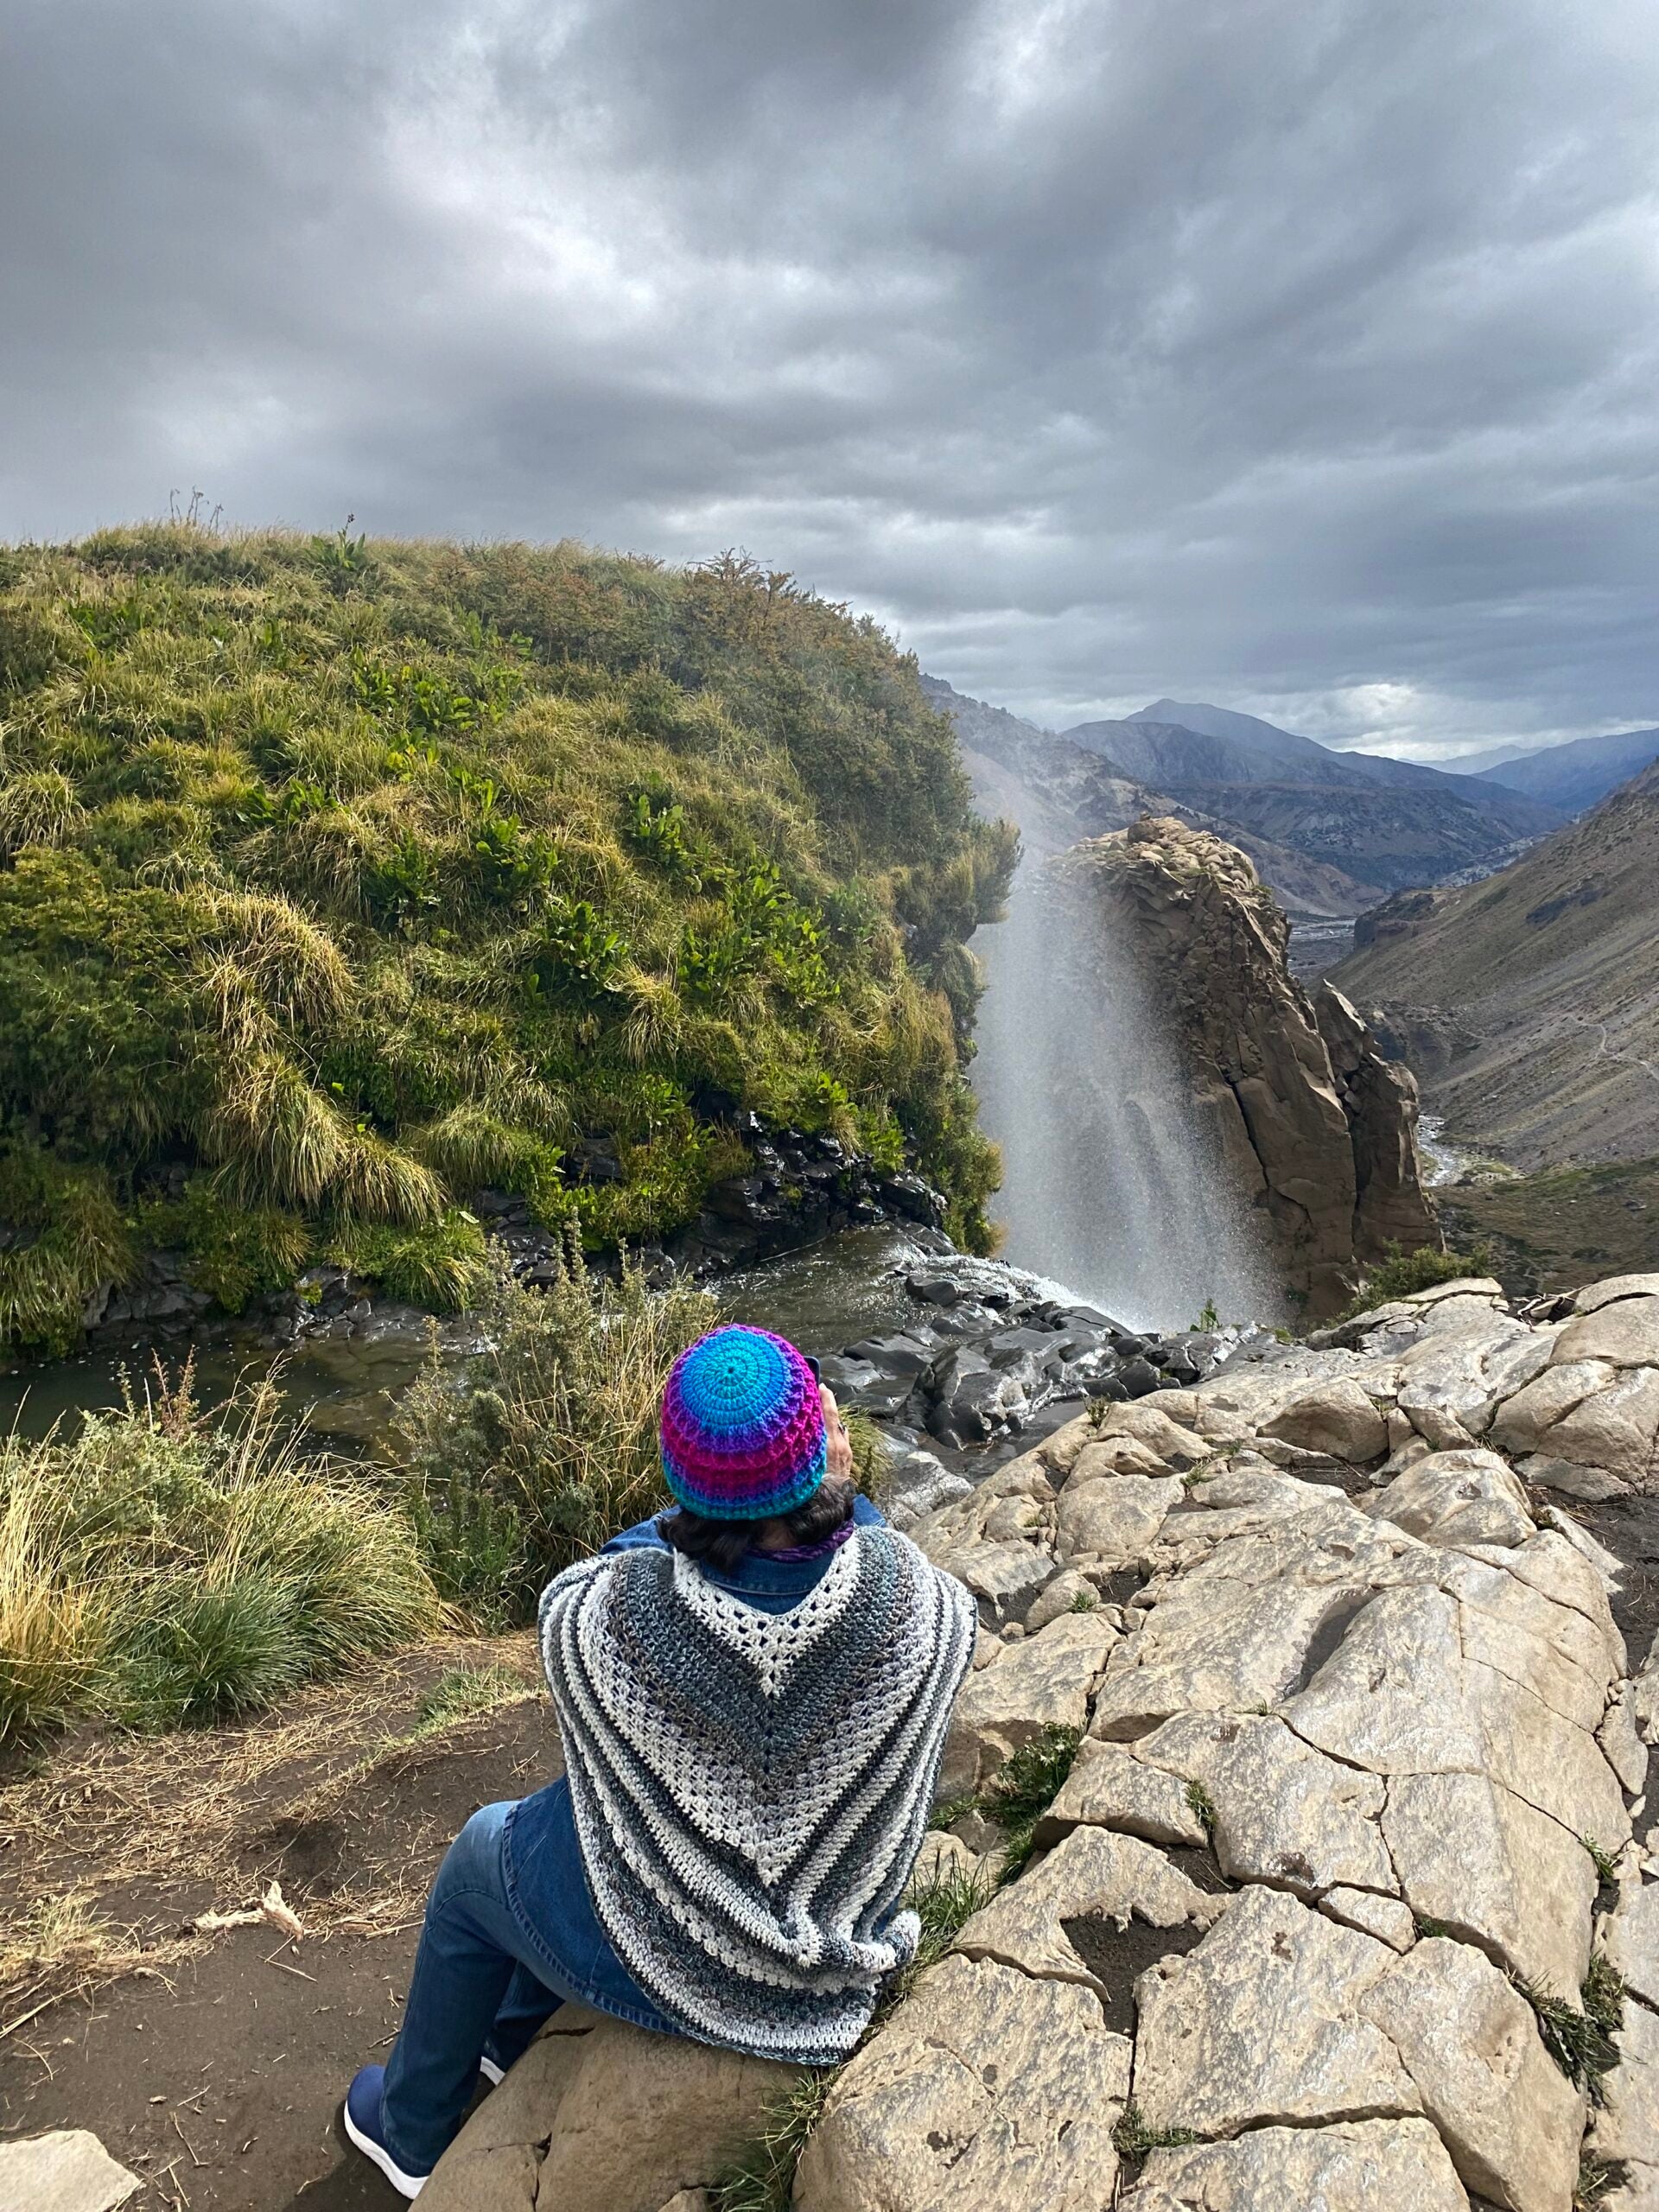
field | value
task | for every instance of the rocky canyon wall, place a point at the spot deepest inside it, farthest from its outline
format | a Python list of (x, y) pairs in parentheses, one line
[(1314, 1125)]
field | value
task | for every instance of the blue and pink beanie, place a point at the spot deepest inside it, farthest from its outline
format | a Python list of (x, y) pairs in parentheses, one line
[(743, 1436)]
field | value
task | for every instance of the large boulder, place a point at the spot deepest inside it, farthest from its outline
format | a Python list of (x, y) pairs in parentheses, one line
[(988, 2091), (600, 2117)]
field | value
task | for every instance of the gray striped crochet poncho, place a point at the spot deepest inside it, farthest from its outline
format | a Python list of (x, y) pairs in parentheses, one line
[(751, 1789)]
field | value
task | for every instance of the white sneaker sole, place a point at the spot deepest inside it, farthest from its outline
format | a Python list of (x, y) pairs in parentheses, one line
[(377, 2155), (493, 2074)]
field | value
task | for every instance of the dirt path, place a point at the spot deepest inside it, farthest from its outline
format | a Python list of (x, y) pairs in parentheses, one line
[(213, 2065)]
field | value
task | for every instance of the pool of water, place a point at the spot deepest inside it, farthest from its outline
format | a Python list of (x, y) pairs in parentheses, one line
[(347, 1389)]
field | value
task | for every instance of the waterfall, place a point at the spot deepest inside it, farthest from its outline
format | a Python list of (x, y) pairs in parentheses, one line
[(1113, 1184)]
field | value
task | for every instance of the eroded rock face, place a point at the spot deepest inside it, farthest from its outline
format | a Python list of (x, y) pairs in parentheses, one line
[(1300, 1103)]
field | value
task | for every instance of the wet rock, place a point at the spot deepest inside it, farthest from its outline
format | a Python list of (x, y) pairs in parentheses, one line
[(1282, 1812), (600, 2117), (1042, 1682), (1362, 2166), (990, 2091), (1506, 2113), (933, 1287), (1261, 2022), (67, 2170), (1337, 1418), (1093, 1875), (1137, 1377)]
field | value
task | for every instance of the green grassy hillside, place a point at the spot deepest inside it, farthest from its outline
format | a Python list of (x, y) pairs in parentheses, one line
[(339, 878)]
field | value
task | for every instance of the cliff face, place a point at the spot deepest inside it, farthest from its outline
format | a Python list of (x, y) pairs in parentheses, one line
[(1311, 1120)]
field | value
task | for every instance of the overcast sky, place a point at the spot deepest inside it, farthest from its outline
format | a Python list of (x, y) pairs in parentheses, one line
[(1295, 354)]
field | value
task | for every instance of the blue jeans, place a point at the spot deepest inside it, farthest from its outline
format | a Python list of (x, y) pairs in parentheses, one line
[(509, 1936)]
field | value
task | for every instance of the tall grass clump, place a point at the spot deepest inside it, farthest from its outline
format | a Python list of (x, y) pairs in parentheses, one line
[(351, 877), (1400, 1273), (548, 1444), (168, 1565)]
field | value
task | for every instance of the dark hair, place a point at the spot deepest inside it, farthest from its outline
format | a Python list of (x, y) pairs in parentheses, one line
[(724, 1545)]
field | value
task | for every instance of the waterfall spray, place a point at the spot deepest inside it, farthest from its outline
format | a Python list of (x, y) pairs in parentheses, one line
[(1113, 1183)]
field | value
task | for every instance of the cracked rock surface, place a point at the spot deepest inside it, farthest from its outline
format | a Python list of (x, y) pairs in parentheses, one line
[(1358, 1739)]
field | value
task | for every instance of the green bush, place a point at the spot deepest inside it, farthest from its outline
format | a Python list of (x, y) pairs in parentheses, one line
[(1402, 1273), (351, 874), (548, 1444), (170, 1566)]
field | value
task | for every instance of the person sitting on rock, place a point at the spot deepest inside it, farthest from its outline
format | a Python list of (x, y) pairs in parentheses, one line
[(752, 1693)]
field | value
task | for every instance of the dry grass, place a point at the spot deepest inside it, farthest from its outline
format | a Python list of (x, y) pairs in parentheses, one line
[(168, 1565), (164, 1826)]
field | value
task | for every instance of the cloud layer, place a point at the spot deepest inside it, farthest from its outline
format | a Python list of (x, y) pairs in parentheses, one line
[(1296, 353)]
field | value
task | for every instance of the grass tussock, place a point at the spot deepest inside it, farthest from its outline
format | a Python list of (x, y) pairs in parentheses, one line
[(168, 1566), (351, 877), (760, 2175), (550, 1444)]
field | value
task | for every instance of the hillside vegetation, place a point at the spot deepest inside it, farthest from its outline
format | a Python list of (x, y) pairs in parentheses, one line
[(341, 878)]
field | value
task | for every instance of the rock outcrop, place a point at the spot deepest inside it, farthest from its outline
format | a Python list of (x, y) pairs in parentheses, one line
[(1354, 1710), (1352, 1855), (1311, 1120)]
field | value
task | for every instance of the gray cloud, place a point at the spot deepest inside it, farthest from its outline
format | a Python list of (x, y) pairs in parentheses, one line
[(1297, 354)]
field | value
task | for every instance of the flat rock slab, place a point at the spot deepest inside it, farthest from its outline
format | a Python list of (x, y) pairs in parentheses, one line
[(1627, 2127), (68, 2171), (1107, 1788), (1041, 1681), (1459, 1498), (1511, 2120), (1630, 1939), (1093, 1875), (1496, 1871), (988, 2091), (1282, 1812), (1373, 2165), (1113, 1518), (600, 2117), (1363, 2166), (1262, 2023), (1625, 1332)]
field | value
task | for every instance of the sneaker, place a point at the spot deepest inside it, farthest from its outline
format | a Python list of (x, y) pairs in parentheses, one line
[(491, 2068), (362, 2118)]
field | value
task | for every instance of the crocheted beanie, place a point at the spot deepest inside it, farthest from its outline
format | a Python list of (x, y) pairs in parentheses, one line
[(743, 1436)]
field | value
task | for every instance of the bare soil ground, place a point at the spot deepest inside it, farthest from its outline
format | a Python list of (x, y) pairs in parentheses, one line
[(213, 2064)]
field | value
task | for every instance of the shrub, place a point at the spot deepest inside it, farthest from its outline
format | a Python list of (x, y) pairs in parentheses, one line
[(1400, 1273), (548, 1444), (169, 1564)]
